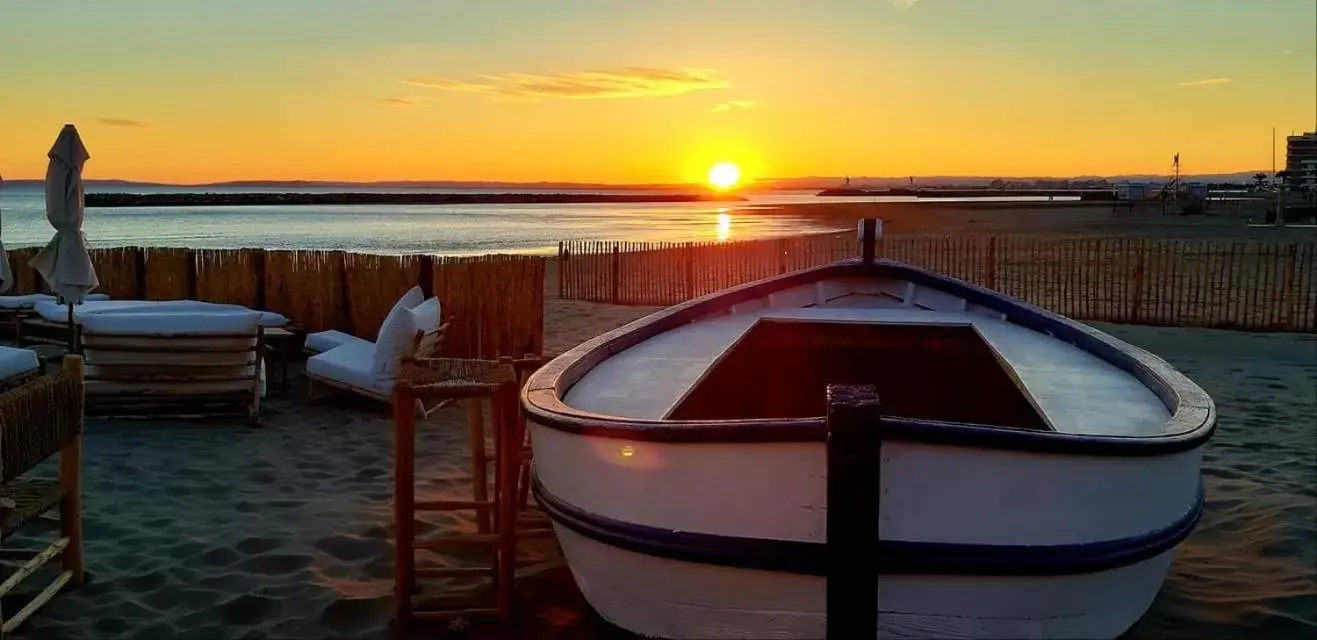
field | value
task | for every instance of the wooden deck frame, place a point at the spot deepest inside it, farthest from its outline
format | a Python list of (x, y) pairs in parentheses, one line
[(50, 412), (161, 388)]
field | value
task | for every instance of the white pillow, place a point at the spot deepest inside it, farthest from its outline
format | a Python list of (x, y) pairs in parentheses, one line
[(425, 316), (396, 332)]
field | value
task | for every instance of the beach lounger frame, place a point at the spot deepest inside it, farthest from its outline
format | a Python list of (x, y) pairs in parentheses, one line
[(210, 384)]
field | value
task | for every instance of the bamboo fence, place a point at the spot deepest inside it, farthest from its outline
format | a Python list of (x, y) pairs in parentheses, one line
[(494, 304), (1258, 286)]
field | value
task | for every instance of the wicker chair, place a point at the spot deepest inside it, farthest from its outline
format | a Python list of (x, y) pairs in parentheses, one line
[(37, 421)]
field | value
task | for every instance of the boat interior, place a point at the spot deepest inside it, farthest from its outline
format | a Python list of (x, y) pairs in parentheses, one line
[(781, 369), (930, 354)]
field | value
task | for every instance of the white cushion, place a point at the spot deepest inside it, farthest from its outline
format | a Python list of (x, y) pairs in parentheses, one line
[(229, 322), (396, 332), (17, 361), (425, 316), (30, 300), (323, 341), (55, 312), (351, 363)]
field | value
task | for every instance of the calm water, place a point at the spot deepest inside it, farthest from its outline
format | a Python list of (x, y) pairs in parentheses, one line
[(445, 229)]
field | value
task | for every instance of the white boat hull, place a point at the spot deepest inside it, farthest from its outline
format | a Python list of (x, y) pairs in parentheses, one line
[(663, 598)]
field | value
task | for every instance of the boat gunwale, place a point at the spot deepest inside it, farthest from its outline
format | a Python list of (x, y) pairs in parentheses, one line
[(900, 557), (1191, 423)]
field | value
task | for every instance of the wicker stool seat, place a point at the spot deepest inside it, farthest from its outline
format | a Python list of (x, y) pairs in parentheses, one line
[(31, 498)]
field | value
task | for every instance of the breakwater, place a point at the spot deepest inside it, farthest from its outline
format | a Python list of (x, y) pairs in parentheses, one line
[(1082, 194), (284, 199)]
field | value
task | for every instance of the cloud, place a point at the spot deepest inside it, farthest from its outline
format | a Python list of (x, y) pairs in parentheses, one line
[(625, 82), (1287, 52), (1206, 82), (403, 102), (731, 105), (903, 4), (123, 122)]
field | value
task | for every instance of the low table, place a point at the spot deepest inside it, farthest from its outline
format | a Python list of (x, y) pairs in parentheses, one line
[(283, 343)]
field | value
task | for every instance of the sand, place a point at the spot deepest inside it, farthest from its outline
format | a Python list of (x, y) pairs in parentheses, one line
[(215, 531)]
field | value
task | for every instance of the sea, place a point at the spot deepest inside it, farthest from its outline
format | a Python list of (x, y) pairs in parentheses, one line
[(461, 229)]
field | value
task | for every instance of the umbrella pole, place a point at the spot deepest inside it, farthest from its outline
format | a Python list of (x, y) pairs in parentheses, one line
[(73, 333)]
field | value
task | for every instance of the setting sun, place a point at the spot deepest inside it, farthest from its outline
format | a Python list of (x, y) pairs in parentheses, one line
[(724, 176)]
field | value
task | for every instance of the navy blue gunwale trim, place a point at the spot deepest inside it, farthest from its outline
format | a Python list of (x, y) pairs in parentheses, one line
[(1192, 421), (898, 557)]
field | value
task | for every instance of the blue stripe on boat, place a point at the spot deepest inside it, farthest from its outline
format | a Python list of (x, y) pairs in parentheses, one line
[(897, 557)]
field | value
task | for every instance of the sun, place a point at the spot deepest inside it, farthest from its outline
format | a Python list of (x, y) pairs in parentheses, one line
[(724, 176)]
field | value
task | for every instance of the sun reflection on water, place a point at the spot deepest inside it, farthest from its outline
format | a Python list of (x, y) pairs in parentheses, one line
[(724, 225)]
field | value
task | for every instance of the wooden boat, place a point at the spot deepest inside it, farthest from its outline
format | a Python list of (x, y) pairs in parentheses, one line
[(1036, 473)]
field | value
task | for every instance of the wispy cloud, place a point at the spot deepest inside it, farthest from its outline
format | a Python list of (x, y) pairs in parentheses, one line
[(731, 105), (403, 102), (123, 122), (626, 82), (1286, 52), (903, 4), (1206, 82)]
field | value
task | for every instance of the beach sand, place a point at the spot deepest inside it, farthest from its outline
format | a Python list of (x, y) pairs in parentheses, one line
[(218, 531)]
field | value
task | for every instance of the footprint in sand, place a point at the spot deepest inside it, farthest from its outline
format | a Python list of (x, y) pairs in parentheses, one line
[(281, 564), (353, 549), (257, 545)]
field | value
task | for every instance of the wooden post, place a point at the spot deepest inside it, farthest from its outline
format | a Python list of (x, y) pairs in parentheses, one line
[(425, 279), (404, 495), (617, 274), (562, 266), (139, 269), (1288, 288), (689, 255), (853, 450), (868, 238), (260, 269), (70, 478), (190, 257), (1136, 305), (344, 296)]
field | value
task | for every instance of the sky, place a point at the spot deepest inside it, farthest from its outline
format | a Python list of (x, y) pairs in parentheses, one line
[(642, 91)]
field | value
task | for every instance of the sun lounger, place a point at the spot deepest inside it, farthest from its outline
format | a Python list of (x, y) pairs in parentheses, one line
[(38, 421), (14, 308), (323, 341), (174, 363), (370, 368), (17, 366), (49, 323)]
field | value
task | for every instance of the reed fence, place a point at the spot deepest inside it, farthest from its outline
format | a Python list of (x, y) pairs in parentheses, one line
[(494, 304), (1256, 286)]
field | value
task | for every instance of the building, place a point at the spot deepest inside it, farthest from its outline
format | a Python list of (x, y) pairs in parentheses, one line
[(1301, 161)]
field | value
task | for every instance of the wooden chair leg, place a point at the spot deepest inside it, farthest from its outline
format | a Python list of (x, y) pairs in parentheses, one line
[(505, 488), (70, 509), (404, 495), (479, 460)]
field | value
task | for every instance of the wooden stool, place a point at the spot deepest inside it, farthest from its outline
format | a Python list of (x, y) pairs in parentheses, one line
[(476, 381)]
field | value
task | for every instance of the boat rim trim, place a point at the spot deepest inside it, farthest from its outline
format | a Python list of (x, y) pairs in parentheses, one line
[(897, 557), (1192, 421)]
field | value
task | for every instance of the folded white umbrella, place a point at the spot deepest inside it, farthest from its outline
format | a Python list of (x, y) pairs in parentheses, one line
[(6, 276), (64, 263)]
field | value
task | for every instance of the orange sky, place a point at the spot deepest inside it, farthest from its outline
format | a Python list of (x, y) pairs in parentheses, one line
[(588, 90)]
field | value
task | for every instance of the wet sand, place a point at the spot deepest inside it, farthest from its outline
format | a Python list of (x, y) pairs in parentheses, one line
[(213, 531)]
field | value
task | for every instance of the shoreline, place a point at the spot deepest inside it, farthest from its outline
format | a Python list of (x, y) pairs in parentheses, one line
[(115, 200)]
